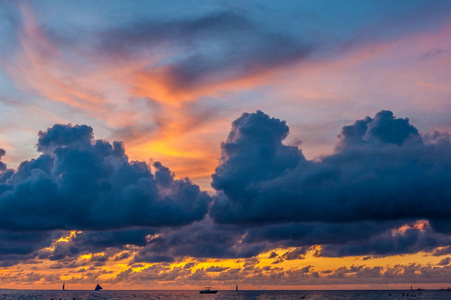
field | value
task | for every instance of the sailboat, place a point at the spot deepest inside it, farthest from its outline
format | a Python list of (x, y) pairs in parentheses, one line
[(63, 287), (236, 287), (98, 288)]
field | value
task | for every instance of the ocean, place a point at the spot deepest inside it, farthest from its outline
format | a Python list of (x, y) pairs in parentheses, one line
[(222, 295)]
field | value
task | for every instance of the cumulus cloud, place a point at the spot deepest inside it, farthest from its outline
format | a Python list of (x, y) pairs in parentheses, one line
[(382, 192), (81, 183), (253, 153), (382, 130), (253, 175), (381, 170)]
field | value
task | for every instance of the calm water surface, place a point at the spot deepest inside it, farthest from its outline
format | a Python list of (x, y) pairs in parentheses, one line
[(222, 295)]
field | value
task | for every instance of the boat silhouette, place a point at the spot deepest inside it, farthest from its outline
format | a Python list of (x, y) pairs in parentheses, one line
[(208, 290), (98, 288), (63, 287)]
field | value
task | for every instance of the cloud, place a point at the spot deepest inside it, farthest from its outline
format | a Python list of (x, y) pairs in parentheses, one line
[(115, 244), (216, 269), (81, 183), (300, 276), (207, 240), (2, 164), (382, 170), (170, 60), (19, 247), (307, 234), (63, 136), (256, 166), (444, 261), (112, 238), (382, 130), (298, 253), (254, 149), (411, 238), (364, 199), (209, 49), (199, 240)]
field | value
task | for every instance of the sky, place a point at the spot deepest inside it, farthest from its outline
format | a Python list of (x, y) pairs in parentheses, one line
[(183, 144)]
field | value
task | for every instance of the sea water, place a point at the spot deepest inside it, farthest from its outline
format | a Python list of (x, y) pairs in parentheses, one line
[(222, 295)]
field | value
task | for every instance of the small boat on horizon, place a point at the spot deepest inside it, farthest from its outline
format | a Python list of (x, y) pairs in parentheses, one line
[(98, 288), (208, 291), (236, 288), (63, 286)]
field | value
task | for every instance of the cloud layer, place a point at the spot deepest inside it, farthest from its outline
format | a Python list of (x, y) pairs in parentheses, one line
[(384, 191), (81, 183), (381, 170)]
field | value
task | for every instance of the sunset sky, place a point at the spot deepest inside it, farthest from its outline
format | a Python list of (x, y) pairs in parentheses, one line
[(183, 144)]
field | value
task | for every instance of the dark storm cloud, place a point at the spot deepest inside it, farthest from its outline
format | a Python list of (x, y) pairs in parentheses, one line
[(113, 238), (381, 170), (68, 253), (208, 240), (362, 200), (60, 251), (23, 243), (16, 247), (305, 234), (442, 225), (201, 240), (253, 153), (410, 240), (110, 242), (81, 183), (349, 239), (349, 202), (382, 130), (63, 136)]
